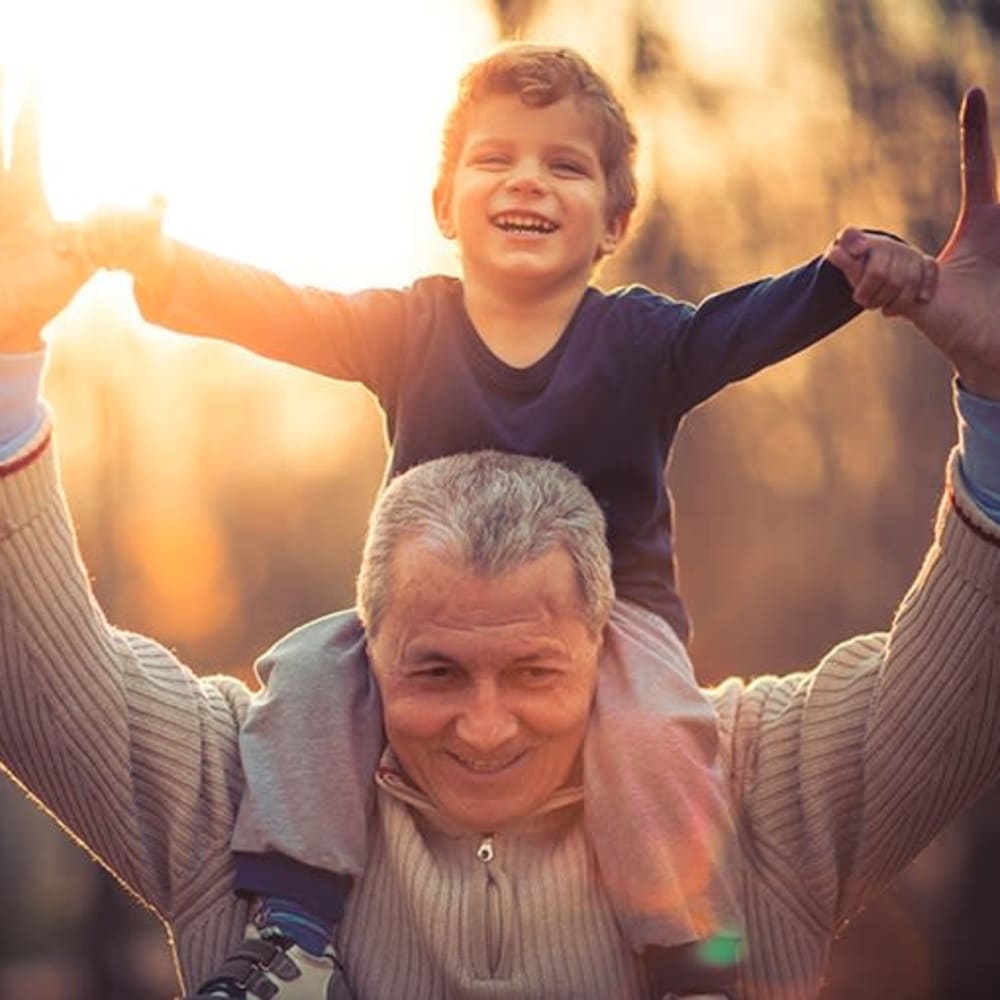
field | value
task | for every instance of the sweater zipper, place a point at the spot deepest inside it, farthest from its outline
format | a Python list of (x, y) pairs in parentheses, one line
[(492, 910), (484, 852)]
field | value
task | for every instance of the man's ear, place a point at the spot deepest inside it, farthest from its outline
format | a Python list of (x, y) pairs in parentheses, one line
[(442, 211), (614, 233), (370, 656)]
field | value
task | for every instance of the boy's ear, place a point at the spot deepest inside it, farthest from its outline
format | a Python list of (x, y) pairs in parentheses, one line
[(442, 211), (615, 232)]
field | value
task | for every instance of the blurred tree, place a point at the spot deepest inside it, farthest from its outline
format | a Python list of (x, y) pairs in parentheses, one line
[(513, 16)]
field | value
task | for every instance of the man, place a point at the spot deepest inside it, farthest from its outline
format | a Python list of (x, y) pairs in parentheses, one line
[(484, 590)]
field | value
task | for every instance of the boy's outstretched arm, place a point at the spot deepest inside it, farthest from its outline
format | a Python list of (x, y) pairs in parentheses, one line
[(191, 291), (884, 273)]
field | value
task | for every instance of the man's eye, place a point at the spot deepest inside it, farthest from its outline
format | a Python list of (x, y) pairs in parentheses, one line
[(536, 675), (442, 672)]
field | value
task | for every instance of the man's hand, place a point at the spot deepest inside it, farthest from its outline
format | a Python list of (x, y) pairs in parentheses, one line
[(37, 278), (963, 320)]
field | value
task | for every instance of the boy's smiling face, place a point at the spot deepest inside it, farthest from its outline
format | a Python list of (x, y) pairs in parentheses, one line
[(527, 203)]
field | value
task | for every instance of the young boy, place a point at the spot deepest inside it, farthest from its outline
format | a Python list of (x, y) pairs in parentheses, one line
[(522, 354)]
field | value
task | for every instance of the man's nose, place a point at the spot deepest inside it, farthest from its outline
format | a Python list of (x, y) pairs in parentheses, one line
[(485, 723)]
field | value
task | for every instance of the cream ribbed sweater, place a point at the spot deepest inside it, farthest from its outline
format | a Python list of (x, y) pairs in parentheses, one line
[(839, 776)]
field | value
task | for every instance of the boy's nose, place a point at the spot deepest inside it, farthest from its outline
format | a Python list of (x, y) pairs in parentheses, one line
[(526, 179)]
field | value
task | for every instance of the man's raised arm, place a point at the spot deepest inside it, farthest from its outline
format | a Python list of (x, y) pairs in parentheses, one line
[(96, 723), (846, 772)]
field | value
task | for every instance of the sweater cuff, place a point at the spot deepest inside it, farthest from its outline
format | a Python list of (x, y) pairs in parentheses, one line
[(28, 480), (979, 446), (21, 412), (966, 534)]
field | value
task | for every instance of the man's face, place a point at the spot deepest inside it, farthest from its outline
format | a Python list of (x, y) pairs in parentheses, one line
[(486, 683), (527, 203)]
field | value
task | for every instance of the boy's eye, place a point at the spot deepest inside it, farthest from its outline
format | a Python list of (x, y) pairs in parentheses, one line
[(571, 167), (490, 160)]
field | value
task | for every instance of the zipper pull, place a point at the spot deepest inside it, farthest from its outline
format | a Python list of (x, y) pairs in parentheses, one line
[(484, 852)]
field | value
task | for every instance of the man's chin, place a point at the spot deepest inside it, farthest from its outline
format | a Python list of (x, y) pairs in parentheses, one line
[(481, 801), (480, 817)]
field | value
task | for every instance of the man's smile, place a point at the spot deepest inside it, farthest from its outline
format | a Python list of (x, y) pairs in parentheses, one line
[(479, 765)]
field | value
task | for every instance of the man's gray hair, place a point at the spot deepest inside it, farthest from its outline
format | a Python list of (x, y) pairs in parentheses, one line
[(492, 512)]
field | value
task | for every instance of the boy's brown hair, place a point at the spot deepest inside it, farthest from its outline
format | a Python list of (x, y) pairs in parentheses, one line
[(541, 75)]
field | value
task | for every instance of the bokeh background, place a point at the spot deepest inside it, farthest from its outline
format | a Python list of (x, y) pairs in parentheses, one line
[(221, 500)]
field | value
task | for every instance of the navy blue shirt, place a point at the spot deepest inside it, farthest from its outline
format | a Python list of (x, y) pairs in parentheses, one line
[(606, 400)]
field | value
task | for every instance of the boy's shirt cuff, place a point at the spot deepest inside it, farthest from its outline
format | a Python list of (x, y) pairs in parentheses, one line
[(979, 448), (21, 412)]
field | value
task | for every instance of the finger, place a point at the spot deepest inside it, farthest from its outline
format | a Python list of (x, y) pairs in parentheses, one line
[(853, 268), (70, 241), (3, 124), (158, 212), (101, 235), (928, 280), (25, 157), (854, 241), (979, 169), (906, 289), (872, 291)]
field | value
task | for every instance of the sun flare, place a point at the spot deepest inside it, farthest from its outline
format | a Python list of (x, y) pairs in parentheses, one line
[(302, 136)]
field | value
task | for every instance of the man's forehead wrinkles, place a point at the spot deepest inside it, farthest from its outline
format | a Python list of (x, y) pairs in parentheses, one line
[(453, 643)]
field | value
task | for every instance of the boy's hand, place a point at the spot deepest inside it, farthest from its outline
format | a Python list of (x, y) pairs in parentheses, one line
[(126, 240), (884, 273)]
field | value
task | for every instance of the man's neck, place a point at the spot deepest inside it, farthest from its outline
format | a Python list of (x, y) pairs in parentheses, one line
[(521, 328)]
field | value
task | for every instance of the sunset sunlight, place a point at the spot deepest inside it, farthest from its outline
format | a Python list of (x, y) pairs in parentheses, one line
[(301, 138), (222, 433), (309, 148)]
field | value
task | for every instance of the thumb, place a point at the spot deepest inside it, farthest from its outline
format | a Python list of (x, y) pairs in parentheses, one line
[(25, 156), (853, 240), (848, 252), (158, 208), (979, 168)]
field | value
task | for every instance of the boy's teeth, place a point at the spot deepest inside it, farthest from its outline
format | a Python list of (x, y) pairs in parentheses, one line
[(525, 223)]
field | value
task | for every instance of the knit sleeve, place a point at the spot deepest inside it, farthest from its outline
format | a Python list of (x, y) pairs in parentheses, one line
[(126, 748), (844, 773)]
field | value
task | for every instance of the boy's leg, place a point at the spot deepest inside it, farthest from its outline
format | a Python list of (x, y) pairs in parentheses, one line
[(310, 744), (657, 807)]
